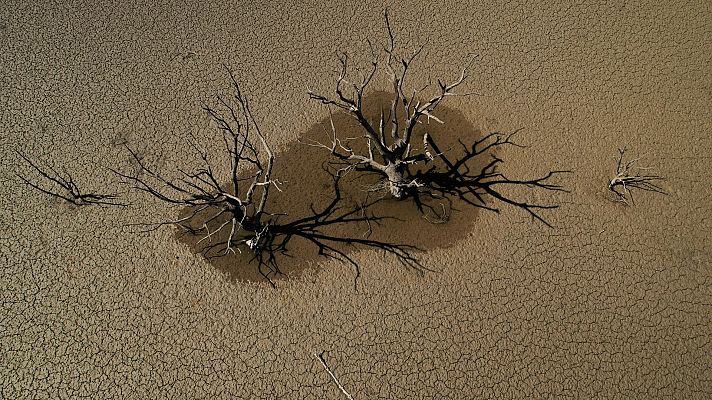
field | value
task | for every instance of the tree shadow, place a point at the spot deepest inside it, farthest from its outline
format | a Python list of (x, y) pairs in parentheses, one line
[(373, 215)]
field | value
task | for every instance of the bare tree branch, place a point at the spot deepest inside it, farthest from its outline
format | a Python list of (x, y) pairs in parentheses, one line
[(320, 357), (65, 188)]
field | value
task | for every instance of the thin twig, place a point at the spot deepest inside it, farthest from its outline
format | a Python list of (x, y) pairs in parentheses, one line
[(320, 357)]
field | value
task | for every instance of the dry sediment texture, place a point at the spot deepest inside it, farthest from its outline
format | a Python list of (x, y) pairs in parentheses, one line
[(614, 302)]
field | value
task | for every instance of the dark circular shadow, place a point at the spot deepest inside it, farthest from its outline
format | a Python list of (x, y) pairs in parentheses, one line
[(305, 184)]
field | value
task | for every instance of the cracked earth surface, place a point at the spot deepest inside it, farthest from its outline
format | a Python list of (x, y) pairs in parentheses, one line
[(613, 302)]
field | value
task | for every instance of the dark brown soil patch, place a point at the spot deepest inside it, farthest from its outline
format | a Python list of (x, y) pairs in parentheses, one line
[(299, 167)]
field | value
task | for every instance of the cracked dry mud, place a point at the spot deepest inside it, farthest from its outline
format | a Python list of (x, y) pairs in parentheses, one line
[(615, 302)]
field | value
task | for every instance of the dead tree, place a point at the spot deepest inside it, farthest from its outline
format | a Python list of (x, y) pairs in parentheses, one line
[(63, 186), (389, 153), (240, 206), (411, 173), (630, 177)]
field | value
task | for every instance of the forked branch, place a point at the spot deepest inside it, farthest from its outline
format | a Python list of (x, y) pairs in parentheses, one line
[(63, 186)]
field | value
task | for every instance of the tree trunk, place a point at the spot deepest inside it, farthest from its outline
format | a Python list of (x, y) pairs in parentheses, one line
[(396, 184)]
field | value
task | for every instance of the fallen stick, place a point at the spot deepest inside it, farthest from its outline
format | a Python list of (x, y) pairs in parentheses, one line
[(320, 356)]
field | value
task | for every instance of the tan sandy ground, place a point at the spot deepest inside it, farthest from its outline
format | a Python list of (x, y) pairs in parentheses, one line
[(614, 302)]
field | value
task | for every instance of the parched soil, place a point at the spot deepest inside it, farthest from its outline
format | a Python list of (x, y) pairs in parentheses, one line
[(612, 302)]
